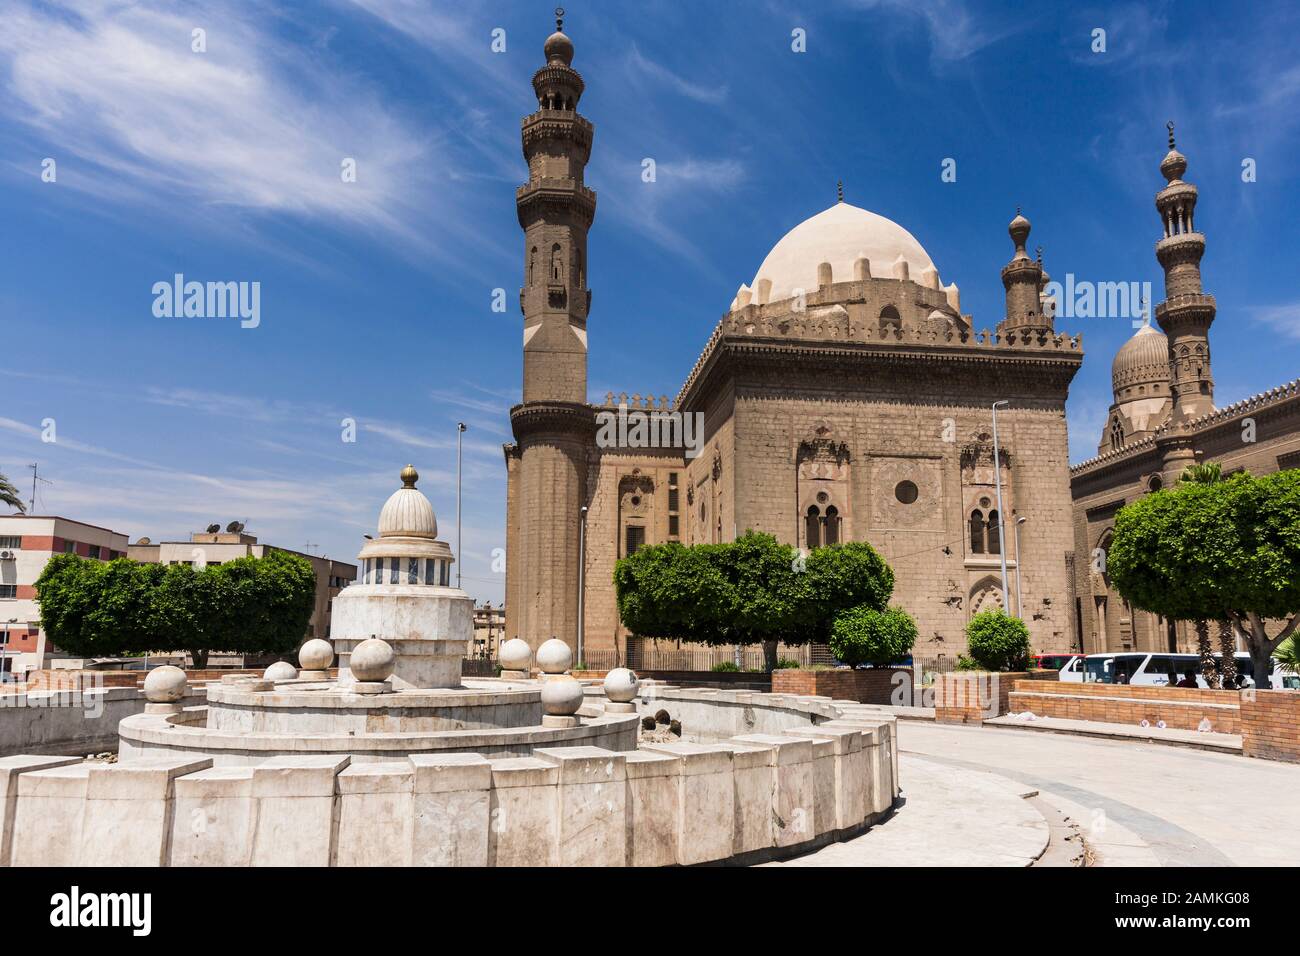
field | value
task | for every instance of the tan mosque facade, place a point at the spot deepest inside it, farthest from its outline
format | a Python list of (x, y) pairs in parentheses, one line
[(843, 396), (1163, 419)]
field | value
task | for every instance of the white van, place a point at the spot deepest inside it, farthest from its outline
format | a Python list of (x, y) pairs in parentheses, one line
[(1166, 670)]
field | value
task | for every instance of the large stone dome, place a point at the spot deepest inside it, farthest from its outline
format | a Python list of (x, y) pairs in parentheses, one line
[(1142, 360), (407, 511), (840, 235)]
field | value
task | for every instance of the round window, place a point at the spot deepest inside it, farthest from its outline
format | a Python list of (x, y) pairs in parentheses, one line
[(905, 491), (636, 501), (823, 497)]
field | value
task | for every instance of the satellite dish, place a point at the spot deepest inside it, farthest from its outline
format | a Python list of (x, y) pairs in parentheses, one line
[(235, 527), (213, 528)]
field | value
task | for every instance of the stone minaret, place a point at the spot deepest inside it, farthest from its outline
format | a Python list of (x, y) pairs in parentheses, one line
[(1022, 277), (1186, 313), (554, 426)]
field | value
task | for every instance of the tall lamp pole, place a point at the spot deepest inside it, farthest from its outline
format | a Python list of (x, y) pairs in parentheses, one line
[(997, 478), (582, 573), (1020, 606), (460, 555)]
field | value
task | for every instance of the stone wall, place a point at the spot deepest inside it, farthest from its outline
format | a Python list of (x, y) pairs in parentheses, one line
[(874, 685), (70, 721), (1270, 724), (1182, 708), (741, 800)]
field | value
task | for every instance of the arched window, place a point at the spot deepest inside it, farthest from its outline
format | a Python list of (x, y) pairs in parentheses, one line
[(812, 527), (532, 266), (1116, 433), (890, 320), (977, 532), (994, 534), (832, 525), (557, 264)]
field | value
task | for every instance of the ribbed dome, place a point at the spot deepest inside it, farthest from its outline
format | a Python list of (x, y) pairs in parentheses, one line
[(1142, 360), (839, 235), (407, 512)]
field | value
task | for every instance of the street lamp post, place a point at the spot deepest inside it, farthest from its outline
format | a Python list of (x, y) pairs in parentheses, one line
[(582, 573), (997, 479), (460, 555), (1020, 606)]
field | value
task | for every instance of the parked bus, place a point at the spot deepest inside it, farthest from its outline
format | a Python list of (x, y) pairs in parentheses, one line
[(1166, 670)]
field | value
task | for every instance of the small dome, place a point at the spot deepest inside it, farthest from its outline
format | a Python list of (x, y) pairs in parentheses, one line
[(1142, 360), (840, 235), (407, 512), (558, 47)]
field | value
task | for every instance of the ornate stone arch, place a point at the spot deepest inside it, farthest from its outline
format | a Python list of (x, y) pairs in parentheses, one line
[(986, 595)]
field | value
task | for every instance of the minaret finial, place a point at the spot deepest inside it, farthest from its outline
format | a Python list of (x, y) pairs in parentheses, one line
[(1170, 126), (559, 19), (409, 476), (839, 190), (1038, 250)]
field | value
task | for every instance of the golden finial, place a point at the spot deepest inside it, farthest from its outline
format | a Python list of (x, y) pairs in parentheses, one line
[(1170, 126), (409, 476), (559, 19)]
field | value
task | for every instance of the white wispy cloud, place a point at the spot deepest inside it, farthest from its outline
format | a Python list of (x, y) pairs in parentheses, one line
[(662, 76), (1284, 319), (131, 113)]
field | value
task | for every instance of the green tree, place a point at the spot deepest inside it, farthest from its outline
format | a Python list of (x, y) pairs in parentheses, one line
[(121, 607), (998, 642), (865, 635), (1228, 549), (9, 495), (753, 590), (1209, 473)]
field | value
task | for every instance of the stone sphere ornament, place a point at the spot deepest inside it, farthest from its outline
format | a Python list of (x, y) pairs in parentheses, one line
[(165, 685), (316, 655), (561, 696), (554, 657), (515, 655), (281, 670), (621, 685), (372, 661)]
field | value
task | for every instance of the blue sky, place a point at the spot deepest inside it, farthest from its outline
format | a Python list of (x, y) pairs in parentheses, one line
[(376, 295)]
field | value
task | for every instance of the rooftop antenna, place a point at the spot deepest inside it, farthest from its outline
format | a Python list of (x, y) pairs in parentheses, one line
[(35, 478)]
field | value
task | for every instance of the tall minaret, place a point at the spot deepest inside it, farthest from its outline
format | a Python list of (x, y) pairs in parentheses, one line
[(1022, 278), (554, 427), (1186, 313), (555, 211)]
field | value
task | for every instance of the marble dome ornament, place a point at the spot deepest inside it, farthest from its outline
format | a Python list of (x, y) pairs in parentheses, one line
[(372, 661), (165, 685), (515, 655), (554, 657), (163, 689), (621, 685), (316, 655), (281, 670), (561, 696)]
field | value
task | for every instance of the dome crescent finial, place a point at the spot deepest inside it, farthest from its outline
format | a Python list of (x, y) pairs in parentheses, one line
[(1170, 126), (409, 476)]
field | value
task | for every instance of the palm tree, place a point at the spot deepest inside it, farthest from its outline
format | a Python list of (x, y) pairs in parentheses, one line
[(1209, 473), (1288, 656), (9, 495)]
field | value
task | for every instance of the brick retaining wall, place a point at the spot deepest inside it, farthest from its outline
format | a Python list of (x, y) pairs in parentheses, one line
[(1270, 724), (1181, 708), (869, 686), (971, 697)]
